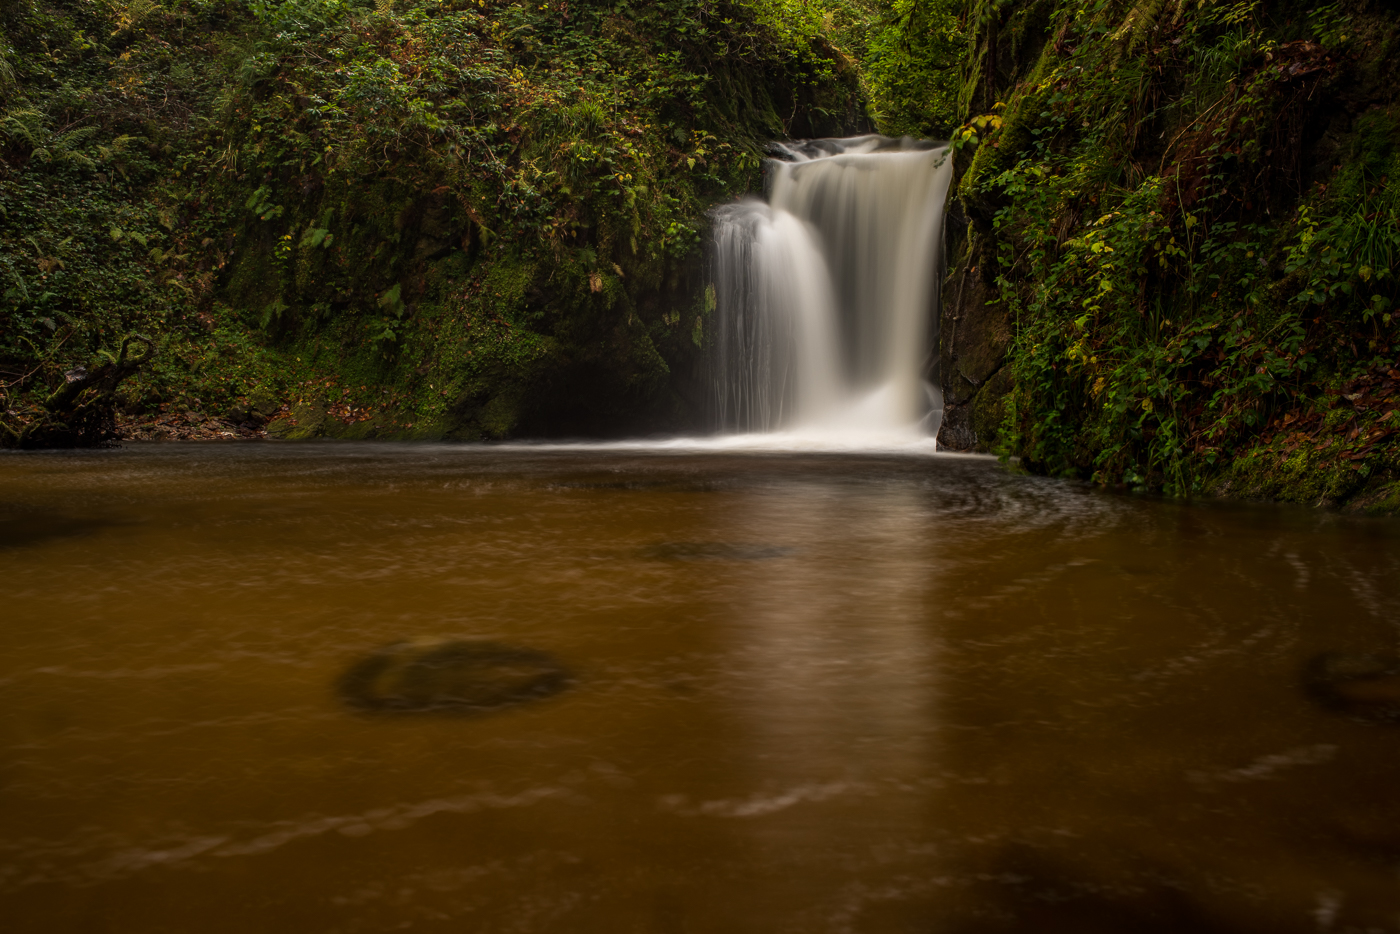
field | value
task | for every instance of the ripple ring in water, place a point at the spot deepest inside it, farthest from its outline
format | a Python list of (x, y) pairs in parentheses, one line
[(456, 677)]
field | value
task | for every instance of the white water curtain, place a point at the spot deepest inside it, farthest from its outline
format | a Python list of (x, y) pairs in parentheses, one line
[(825, 294)]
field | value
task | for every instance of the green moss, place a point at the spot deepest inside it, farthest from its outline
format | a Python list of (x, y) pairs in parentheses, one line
[(1380, 498), (1187, 288), (991, 409)]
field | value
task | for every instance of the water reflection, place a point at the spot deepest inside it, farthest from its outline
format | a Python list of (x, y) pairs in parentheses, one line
[(834, 667), (811, 694), (829, 679)]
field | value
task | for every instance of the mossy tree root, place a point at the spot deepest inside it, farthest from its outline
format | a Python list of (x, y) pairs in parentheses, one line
[(81, 412)]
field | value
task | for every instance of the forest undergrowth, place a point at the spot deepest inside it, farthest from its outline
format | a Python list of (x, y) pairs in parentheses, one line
[(403, 219), (1186, 210)]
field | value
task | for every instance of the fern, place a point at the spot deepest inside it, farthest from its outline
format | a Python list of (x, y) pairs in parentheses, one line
[(134, 14), (315, 236), (64, 148), (31, 128), (1144, 17), (25, 126), (118, 147), (1140, 20)]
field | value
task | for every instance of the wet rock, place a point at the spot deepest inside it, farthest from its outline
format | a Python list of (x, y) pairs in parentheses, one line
[(989, 408), (956, 434), (974, 334), (450, 677), (1361, 685)]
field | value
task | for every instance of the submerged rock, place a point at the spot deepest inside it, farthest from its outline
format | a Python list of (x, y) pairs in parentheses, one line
[(450, 677), (713, 551), (1361, 685), (26, 529)]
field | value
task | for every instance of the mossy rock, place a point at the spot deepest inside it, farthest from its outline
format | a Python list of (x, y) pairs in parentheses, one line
[(989, 409), (1379, 497), (358, 431), (263, 402), (310, 418), (453, 677)]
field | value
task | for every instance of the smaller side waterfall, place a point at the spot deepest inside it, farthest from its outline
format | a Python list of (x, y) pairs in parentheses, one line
[(776, 340), (825, 293)]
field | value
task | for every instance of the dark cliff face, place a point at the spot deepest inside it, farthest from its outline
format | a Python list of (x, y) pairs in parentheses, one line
[(974, 336), (459, 219), (1175, 269)]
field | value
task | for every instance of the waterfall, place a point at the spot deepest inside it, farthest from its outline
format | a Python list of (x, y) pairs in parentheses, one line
[(825, 295)]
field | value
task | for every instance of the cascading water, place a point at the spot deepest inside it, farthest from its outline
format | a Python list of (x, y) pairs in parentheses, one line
[(825, 294)]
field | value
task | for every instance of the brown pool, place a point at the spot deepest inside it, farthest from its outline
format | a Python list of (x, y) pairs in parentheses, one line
[(370, 688)]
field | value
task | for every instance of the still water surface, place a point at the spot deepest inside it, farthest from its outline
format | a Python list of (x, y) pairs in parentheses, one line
[(808, 694)]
